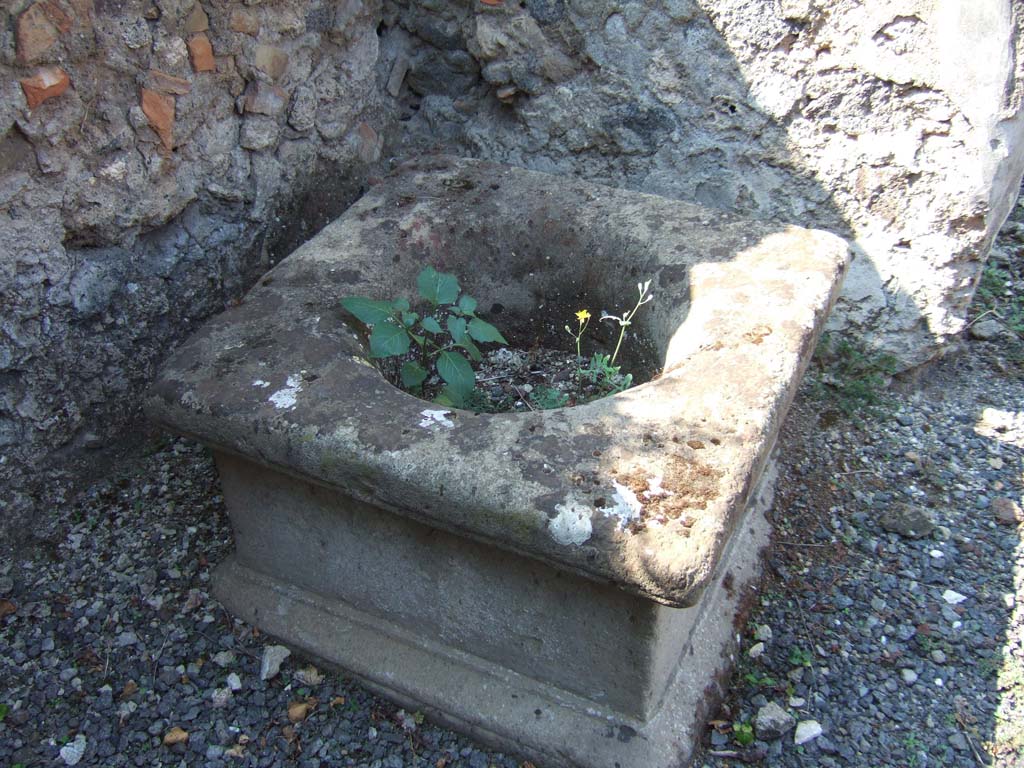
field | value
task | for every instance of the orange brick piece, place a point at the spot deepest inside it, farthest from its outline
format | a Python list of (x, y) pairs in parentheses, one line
[(201, 52), (46, 83), (159, 110)]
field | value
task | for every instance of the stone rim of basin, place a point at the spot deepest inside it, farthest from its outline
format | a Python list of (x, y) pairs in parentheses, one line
[(282, 380)]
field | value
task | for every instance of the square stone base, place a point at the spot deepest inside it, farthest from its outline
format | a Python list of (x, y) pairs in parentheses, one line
[(532, 660)]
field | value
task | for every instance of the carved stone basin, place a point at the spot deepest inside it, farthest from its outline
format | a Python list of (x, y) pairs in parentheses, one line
[(560, 583)]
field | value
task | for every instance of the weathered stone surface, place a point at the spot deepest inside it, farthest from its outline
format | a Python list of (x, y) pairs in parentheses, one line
[(1007, 511), (773, 721), (264, 99), (986, 330), (543, 512), (46, 83), (197, 20), (271, 60), (634, 691), (200, 51), (245, 22), (759, 293), (39, 28), (259, 132), (107, 258), (159, 110), (165, 83), (908, 520), (870, 120)]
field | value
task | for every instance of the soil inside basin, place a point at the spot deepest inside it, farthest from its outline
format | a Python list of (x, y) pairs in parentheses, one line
[(515, 380)]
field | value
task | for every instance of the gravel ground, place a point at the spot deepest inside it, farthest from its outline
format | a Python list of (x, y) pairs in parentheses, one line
[(891, 622)]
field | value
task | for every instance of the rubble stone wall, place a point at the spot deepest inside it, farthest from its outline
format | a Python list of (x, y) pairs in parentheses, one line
[(155, 157), (897, 123)]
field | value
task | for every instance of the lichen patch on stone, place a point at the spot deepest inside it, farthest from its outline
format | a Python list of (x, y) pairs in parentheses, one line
[(261, 383), (285, 398), (572, 524), (433, 419)]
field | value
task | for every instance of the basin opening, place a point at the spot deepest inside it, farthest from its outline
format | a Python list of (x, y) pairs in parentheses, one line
[(530, 278)]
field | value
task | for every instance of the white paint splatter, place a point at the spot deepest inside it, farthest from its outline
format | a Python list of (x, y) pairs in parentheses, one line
[(432, 419), (572, 524), (261, 383), (626, 506), (285, 397)]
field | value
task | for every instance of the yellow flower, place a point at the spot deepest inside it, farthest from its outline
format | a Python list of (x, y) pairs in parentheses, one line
[(583, 315)]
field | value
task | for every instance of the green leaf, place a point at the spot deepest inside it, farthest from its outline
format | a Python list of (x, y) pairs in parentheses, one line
[(483, 331), (457, 372), (437, 287), (457, 328), (447, 397), (408, 318), (413, 374), (4, 709), (467, 304), (369, 311), (388, 339), (430, 324), (402, 305), (469, 346)]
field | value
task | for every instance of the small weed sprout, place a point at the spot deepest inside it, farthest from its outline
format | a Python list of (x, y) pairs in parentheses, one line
[(627, 318), (799, 657), (583, 319), (743, 733)]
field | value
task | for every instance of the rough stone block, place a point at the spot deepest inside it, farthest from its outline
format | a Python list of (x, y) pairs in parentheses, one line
[(264, 99), (165, 83), (197, 21), (39, 28), (271, 60), (507, 572), (245, 22)]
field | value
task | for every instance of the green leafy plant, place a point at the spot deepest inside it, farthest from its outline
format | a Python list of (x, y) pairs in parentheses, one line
[(759, 681), (854, 376), (447, 328), (4, 709), (607, 376), (798, 657), (545, 398), (743, 733)]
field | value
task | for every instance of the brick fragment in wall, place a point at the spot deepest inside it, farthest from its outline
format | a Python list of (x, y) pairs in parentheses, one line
[(39, 28), (165, 83), (159, 110), (271, 60), (201, 53), (46, 83)]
